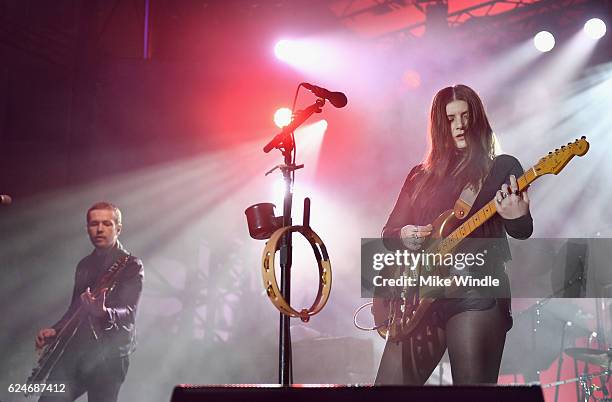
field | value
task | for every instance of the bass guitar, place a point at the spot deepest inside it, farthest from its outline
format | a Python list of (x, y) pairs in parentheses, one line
[(52, 352)]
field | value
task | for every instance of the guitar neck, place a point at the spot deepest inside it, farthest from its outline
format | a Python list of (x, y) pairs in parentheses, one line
[(106, 281), (484, 214)]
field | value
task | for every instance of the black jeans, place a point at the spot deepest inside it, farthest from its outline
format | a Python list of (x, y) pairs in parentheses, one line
[(475, 341), (84, 372)]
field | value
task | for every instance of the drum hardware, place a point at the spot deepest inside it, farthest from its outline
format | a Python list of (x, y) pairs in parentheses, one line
[(586, 384), (601, 358)]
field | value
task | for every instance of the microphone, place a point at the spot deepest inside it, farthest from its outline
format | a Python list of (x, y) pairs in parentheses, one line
[(5, 199), (338, 99)]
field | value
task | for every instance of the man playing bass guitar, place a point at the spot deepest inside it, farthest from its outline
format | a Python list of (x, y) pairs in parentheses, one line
[(95, 360)]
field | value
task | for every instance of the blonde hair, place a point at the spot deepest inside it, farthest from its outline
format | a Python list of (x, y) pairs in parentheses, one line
[(106, 205)]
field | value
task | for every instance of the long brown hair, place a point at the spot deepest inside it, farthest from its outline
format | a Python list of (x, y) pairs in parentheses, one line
[(468, 166)]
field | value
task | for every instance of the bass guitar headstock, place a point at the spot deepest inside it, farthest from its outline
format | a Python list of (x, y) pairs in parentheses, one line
[(556, 160)]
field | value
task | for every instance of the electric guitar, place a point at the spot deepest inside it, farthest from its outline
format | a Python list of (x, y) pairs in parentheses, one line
[(52, 352), (406, 312)]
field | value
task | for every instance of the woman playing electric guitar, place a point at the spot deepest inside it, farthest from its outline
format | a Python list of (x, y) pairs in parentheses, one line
[(461, 159)]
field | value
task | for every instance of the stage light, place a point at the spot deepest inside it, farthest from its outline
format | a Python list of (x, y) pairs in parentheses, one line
[(544, 41), (595, 28), (306, 54), (298, 52), (322, 125), (282, 117), (284, 49)]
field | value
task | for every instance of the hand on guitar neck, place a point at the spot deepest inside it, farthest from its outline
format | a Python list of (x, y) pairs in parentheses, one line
[(44, 336), (510, 202)]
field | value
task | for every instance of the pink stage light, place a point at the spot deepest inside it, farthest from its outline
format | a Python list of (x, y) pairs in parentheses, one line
[(285, 50), (305, 54), (282, 117)]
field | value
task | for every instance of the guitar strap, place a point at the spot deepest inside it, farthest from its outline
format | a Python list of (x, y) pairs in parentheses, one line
[(466, 200)]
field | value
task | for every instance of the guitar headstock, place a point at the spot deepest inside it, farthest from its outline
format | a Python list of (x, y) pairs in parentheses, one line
[(556, 160)]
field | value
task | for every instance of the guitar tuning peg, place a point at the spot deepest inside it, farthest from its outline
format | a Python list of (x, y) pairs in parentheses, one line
[(557, 150), (569, 143), (562, 146), (583, 137), (550, 153)]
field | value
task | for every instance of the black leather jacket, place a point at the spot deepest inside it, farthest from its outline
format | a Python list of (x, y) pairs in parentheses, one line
[(115, 334)]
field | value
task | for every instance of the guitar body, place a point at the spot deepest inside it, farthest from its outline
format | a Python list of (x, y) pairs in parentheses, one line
[(406, 312), (443, 225)]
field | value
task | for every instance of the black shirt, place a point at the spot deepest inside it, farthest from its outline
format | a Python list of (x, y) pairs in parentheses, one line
[(432, 202)]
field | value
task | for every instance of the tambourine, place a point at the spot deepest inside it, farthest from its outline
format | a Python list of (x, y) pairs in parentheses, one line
[(269, 275)]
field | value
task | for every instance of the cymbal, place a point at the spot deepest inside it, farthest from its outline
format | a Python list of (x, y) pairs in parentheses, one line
[(598, 357)]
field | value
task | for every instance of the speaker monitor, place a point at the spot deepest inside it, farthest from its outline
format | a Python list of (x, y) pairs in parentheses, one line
[(337, 393)]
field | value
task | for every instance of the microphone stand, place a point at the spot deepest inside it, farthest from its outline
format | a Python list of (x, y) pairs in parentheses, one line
[(284, 346), (284, 142)]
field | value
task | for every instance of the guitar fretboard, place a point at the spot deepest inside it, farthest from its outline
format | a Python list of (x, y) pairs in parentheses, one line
[(466, 228)]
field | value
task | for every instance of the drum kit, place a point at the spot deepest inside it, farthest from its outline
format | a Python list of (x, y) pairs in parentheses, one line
[(596, 357)]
